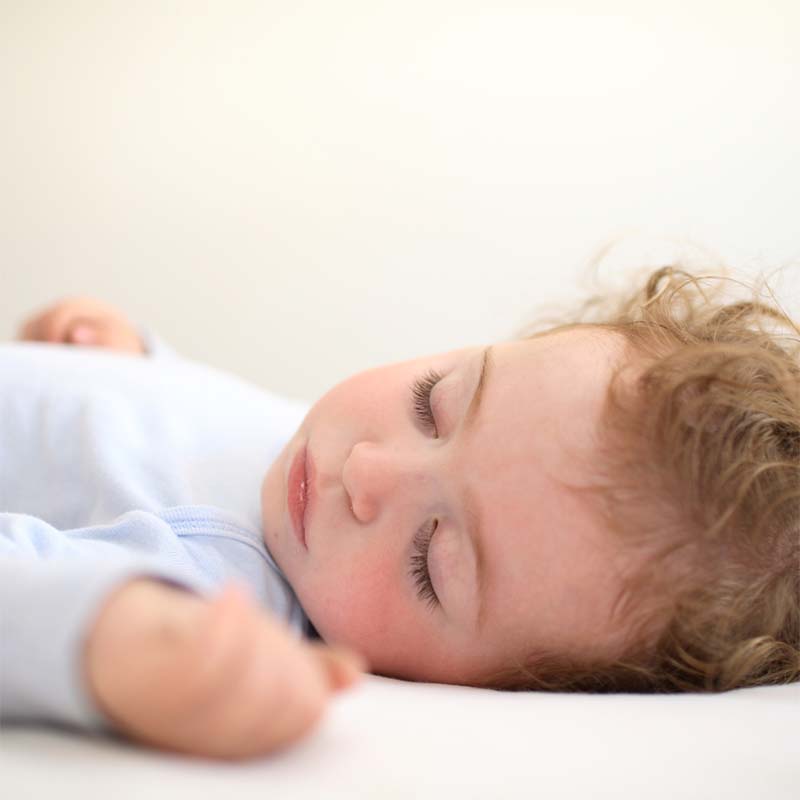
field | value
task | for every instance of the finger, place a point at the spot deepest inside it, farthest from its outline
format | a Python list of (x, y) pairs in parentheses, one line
[(53, 326), (272, 692), (29, 330), (232, 595), (211, 665), (230, 604), (343, 667), (217, 637), (104, 331)]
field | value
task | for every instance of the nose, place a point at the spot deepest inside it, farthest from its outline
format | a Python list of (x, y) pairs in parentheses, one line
[(379, 477)]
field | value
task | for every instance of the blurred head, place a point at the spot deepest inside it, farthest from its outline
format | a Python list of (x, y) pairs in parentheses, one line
[(445, 540)]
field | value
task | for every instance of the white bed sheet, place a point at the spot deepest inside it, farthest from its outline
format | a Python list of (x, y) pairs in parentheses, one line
[(390, 739)]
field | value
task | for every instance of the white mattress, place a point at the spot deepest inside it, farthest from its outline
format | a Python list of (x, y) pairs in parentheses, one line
[(389, 739)]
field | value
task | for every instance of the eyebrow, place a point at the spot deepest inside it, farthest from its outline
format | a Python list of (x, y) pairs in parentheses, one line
[(474, 524)]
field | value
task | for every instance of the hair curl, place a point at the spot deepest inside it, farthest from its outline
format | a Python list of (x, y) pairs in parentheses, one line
[(698, 460)]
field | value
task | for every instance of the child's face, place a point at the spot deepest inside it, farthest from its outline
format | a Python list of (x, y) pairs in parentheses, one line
[(540, 572)]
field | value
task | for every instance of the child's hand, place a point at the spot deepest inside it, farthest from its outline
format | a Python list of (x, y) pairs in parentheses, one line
[(218, 678), (83, 321)]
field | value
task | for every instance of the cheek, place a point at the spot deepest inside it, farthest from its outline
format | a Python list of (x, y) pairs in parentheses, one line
[(352, 602)]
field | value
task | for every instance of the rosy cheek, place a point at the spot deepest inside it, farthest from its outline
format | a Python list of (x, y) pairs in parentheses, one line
[(354, 606)]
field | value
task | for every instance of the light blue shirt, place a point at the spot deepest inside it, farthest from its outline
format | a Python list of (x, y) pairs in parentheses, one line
[(114, 466)]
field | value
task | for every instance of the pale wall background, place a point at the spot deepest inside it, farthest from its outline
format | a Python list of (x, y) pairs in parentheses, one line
[(299, 190)]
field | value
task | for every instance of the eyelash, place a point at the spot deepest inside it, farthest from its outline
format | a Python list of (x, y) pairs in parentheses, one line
[(419, 565), (421, 393)]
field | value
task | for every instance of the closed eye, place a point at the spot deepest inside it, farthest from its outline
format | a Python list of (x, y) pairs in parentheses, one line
[(421, 395), (419, 565)]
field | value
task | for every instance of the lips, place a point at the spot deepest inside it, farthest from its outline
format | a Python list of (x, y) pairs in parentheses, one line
[(297, 493)]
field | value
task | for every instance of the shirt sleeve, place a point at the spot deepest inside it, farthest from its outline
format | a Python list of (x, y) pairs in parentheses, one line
[(50, 594)]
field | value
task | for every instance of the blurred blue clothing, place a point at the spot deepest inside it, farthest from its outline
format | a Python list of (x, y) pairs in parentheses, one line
[(114, 466)]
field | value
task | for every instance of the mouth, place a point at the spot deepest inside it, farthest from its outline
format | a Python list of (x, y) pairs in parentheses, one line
[(297, 495)]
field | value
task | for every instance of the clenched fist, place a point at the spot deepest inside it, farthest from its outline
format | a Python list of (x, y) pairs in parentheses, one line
[(83, 321), (220, 677)]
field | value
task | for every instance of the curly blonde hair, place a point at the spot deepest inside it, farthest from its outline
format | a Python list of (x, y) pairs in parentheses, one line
[(699, 460)]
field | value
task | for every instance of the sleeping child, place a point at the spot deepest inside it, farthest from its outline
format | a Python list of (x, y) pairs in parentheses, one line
[(191, 562)]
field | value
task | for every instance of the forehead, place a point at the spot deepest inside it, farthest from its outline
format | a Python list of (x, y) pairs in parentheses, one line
[(543, 416), (587, 345), (560, 380), (552, 566)]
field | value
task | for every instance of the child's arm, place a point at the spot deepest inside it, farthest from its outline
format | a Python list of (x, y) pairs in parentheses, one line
[(216, 677), (79, 648)]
